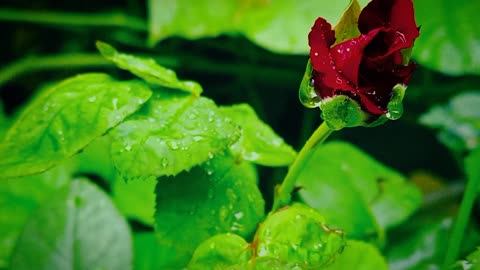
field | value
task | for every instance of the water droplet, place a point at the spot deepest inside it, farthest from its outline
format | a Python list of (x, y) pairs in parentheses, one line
[(128, 147), (316, 54), (209, 172), (151, 119), (115, 102), (60, 132), (172, 144), (210, 155), (340, 50), (164, 162), (308, 97), (298, 216), (197, 138), (92, 99), (238, 215)]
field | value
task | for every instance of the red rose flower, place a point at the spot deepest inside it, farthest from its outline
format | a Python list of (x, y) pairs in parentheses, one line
[(367, 67)]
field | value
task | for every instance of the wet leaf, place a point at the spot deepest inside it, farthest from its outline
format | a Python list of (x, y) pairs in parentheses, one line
[(223, 251), (172, 133), (218, 197), (148, 69), (77, 228), (258, 143), (472, 262), (340, 176), (296, 236), (64, 119)]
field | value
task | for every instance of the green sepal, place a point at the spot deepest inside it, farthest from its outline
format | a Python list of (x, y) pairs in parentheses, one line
[(347, 27), (341, 111)]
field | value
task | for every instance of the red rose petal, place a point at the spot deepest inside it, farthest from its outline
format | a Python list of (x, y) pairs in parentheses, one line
[(348, 55), (320, 38)]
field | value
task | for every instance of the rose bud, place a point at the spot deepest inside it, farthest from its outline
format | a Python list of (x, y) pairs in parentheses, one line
[(357, 74)]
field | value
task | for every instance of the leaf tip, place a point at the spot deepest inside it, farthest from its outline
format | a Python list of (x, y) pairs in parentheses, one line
[(107, 50)]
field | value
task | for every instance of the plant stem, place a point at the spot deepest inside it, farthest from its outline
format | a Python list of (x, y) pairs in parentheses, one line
[(74, 19), (283, 194), (471, 192)]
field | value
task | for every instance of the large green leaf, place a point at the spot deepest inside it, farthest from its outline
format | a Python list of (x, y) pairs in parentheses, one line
[(18, 200), (64, 119), (458, 121), (449, 37), (150, 254), (340, 176), (148, 69), (258, 143), (173, 133), (135, 199), (218, 197), (78, 228), (363, 256), (280, 26)]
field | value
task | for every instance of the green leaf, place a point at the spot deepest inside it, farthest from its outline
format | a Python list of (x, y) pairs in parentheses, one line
[(64, 119), (223, 251), (150, 254), (4, 122), (347, 27), (95, 159), (296, 236), (471, 263), (148, 69), (218, 197), (135, 199), (173, 133), (458, 121), (449, 36), (258, 143), (363, 256), (78, 228), (19, 198), (280, 26), (340, 176)]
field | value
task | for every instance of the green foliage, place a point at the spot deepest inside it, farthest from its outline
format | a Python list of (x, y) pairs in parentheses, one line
[(258, 143), (458, 124), (471, 263), (280, 26), (18, 200), (64, 119), (69, 230), (178, 131), (218, 197), (147, 69), (362, 255), (449, 36), (149, 253), (340, 176)]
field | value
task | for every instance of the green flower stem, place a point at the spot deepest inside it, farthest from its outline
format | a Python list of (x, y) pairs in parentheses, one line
[(284, 192), (453, 248), (74, 19)]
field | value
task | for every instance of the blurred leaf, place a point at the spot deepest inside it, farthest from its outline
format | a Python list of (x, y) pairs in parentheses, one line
[(280, 26), (135, 199), (4, 122), (147, 69), (78, 228), (258, 143), (218, 197), (363, 256), (64, 119), (172, 133), (296, 236), (95, 159), (471, 263), (449, 36), (423, 249), (458, 121), (340, 176), (18, 200), (150, 254), (222, 251)]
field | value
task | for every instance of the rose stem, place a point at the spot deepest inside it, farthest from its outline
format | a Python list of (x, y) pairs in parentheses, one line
[(471, 191), (283, 193)]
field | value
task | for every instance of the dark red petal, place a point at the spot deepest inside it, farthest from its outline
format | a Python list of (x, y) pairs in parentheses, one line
[(320, 38), (397, 15), (348, 55)]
